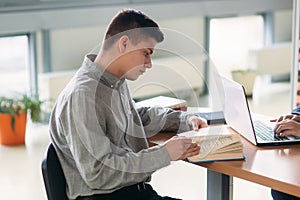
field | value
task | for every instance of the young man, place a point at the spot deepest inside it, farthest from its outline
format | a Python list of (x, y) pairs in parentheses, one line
[(99, 136), (287, 125)]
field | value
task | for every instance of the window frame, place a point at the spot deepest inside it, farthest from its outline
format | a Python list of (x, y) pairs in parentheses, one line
[(32, 59)]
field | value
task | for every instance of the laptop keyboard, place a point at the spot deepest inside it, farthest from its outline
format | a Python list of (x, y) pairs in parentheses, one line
[(266, 132)]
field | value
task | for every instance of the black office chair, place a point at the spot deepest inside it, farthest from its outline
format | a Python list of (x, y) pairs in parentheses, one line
[(54, 179)]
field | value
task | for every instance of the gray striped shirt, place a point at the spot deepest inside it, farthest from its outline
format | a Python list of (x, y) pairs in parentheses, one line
[(100, 137)]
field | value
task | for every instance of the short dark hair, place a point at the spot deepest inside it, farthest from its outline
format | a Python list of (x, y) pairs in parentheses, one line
[(129, 19)]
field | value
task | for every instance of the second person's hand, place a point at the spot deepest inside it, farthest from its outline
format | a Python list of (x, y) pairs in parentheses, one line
[(287, 127)]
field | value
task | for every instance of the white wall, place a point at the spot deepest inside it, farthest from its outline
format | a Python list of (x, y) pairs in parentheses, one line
[(68, 46), (283, 26), (192, 27), (274, 59)]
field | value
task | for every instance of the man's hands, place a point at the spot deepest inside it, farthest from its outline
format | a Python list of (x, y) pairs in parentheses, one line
[(179, 148), (287, 125), (196, 123)]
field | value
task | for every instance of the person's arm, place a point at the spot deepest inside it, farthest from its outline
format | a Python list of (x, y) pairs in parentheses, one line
[(101, 163), (158, 119)]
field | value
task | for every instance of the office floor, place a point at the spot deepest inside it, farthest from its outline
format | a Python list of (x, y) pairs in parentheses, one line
[(21, 177)]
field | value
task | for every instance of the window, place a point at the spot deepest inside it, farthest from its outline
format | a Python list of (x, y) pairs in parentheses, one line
[(232, 38), (14, 57)]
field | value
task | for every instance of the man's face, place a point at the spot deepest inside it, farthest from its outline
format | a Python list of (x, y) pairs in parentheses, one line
[(138, 58)]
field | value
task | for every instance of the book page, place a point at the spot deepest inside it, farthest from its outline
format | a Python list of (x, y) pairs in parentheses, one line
[(210, 144), (211, 130), (163, 101), (218, 148), (215, 142)]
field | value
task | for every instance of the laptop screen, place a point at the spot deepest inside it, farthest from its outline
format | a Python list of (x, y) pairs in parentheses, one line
[(236, 110)]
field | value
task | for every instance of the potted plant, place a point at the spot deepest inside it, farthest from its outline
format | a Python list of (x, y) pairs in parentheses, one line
[(13, 117)]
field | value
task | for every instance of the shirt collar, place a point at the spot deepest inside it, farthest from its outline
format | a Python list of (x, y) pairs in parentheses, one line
[(101, 74)]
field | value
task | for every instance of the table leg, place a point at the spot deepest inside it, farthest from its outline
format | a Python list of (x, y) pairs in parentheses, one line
[(219, 186)]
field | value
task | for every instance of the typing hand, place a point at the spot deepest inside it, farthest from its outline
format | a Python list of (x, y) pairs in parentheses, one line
[(284, 117), (287, 127)]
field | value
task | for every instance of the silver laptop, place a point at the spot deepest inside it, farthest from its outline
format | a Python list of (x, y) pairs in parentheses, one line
[(238, 117)]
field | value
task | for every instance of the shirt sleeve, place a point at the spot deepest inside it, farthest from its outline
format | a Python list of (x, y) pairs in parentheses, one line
[(157, 119), (101, 163), (296, 111)]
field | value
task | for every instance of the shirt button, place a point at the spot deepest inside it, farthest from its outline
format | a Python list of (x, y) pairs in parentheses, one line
[(111, 86)]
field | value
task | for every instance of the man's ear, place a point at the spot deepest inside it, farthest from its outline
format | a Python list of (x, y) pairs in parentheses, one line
[(123, 42)]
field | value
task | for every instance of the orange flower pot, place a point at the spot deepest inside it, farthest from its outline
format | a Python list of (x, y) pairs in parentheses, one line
[(12, 136)]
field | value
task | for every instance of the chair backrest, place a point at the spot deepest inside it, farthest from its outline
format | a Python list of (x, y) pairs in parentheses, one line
[(54, 179)]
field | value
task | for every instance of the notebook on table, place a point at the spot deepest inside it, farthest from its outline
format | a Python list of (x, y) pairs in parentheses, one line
[(239, 118)]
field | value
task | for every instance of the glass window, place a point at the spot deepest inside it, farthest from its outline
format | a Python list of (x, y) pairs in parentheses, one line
[(14, 76)]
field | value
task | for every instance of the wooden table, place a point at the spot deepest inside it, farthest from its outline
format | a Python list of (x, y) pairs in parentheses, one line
[(275, 167)]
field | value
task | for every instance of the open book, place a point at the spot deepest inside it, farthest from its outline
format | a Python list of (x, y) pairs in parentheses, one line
[(164, 101), (217, 144)]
